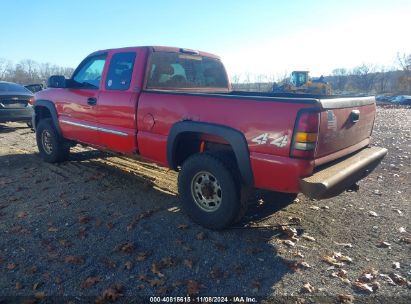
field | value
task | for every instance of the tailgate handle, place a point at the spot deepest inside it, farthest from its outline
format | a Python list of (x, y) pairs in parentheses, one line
[(355, 115)]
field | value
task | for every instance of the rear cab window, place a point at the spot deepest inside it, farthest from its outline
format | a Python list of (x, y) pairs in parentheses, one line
[(179, 71), (120, 71)]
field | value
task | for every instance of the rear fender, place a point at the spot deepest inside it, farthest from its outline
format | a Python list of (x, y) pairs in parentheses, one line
[(232, 136)]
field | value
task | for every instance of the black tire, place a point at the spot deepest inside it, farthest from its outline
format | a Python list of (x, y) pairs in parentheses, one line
[(51, 145), (230, 205)]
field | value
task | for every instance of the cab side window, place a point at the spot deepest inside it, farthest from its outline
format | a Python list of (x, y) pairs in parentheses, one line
[(89, 74), (120, 71)]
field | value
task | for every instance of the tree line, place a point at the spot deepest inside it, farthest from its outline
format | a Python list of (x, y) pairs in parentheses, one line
[(364, 79), (29, 71)]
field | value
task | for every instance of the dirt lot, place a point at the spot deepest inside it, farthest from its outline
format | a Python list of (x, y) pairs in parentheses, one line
[(107, 226)]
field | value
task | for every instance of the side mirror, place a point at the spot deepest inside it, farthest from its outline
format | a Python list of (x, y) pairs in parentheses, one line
[(56, 81)]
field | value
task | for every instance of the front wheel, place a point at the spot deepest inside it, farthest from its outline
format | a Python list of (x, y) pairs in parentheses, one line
[(209, 191), (51, 145)]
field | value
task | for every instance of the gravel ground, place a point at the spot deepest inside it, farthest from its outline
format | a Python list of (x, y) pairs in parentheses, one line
[(109, 228)]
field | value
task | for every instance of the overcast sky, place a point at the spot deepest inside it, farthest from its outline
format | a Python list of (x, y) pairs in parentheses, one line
[(257, 37)]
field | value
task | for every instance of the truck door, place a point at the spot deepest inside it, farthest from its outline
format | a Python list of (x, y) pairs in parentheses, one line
[(116, 107), (78, 112)]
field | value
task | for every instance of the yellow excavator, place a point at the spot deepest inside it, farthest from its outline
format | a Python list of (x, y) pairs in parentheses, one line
[(300, 82)]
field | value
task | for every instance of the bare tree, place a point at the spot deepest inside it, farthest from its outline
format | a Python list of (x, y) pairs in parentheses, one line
[(340, 79), (29, 71), (364, 77), (404, 62)]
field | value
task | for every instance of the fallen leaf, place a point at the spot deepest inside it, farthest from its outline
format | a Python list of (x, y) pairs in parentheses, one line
[(375, 286), (188, 263), (405, 240), (294, 220), (307, 288), (156, 282), (255, 285), (167, 262), (345, 298), (396, 265), (128, 265), (11, 266), (126, 247), (21, 214), (201, 236), (113, 293), (289, 243), (368, 275), (82, 233), (52, 229), (314, 207), (156, 269), (398, 279), (142, 256), (304, 265), (216, 273), (308, 238), (372, 213), (72, 259), (346, 245), (290, 233), (19, 285), (346, 281), (142, 277), (332, 261), (40, 295), (384, 244), (36, 285), (387, 279), (193, 287), (90, 281), (362, 286), (84, 219), (402, 230)]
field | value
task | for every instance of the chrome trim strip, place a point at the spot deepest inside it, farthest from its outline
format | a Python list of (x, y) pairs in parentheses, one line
[(93, 128)]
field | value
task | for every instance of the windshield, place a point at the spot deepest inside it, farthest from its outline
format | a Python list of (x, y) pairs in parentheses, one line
[(179, 71), (13, 87)]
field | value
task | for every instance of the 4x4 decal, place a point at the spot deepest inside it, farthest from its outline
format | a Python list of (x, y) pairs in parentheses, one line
[(276, 141)]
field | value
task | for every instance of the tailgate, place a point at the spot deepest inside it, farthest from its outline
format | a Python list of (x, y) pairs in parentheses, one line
[(344, 122)]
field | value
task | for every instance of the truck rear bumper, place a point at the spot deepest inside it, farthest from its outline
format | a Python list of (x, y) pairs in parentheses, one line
[(335, 178)]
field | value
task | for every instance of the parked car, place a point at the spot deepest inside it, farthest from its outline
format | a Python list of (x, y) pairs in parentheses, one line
[(402, 99), (34, 88), (175, 107), (15, 103)]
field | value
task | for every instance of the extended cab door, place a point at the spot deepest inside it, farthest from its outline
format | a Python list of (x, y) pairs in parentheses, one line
[(116, 106), (78, 112)]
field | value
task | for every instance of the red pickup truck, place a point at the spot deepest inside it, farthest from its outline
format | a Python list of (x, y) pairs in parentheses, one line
[(175, 107)]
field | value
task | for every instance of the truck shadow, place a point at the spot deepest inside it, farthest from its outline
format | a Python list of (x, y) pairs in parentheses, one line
[(240, 262), (6, 128)]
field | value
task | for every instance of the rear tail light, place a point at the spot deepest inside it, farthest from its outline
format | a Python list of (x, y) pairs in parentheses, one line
[(305, 134), (31, 100)]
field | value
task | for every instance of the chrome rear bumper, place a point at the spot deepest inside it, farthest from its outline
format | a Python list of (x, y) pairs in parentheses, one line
[(332, 179)]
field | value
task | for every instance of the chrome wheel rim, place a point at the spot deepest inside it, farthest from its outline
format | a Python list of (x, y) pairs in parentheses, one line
[(46, 141), (206, 191)]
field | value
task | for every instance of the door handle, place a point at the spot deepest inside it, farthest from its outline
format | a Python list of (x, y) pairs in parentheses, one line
[(92, 101)]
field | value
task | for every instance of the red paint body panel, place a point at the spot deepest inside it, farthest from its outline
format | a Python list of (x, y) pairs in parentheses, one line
[(139, 121)]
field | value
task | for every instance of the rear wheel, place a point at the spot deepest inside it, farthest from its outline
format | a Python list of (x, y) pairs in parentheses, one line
[(51, 145), (210, 193)]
